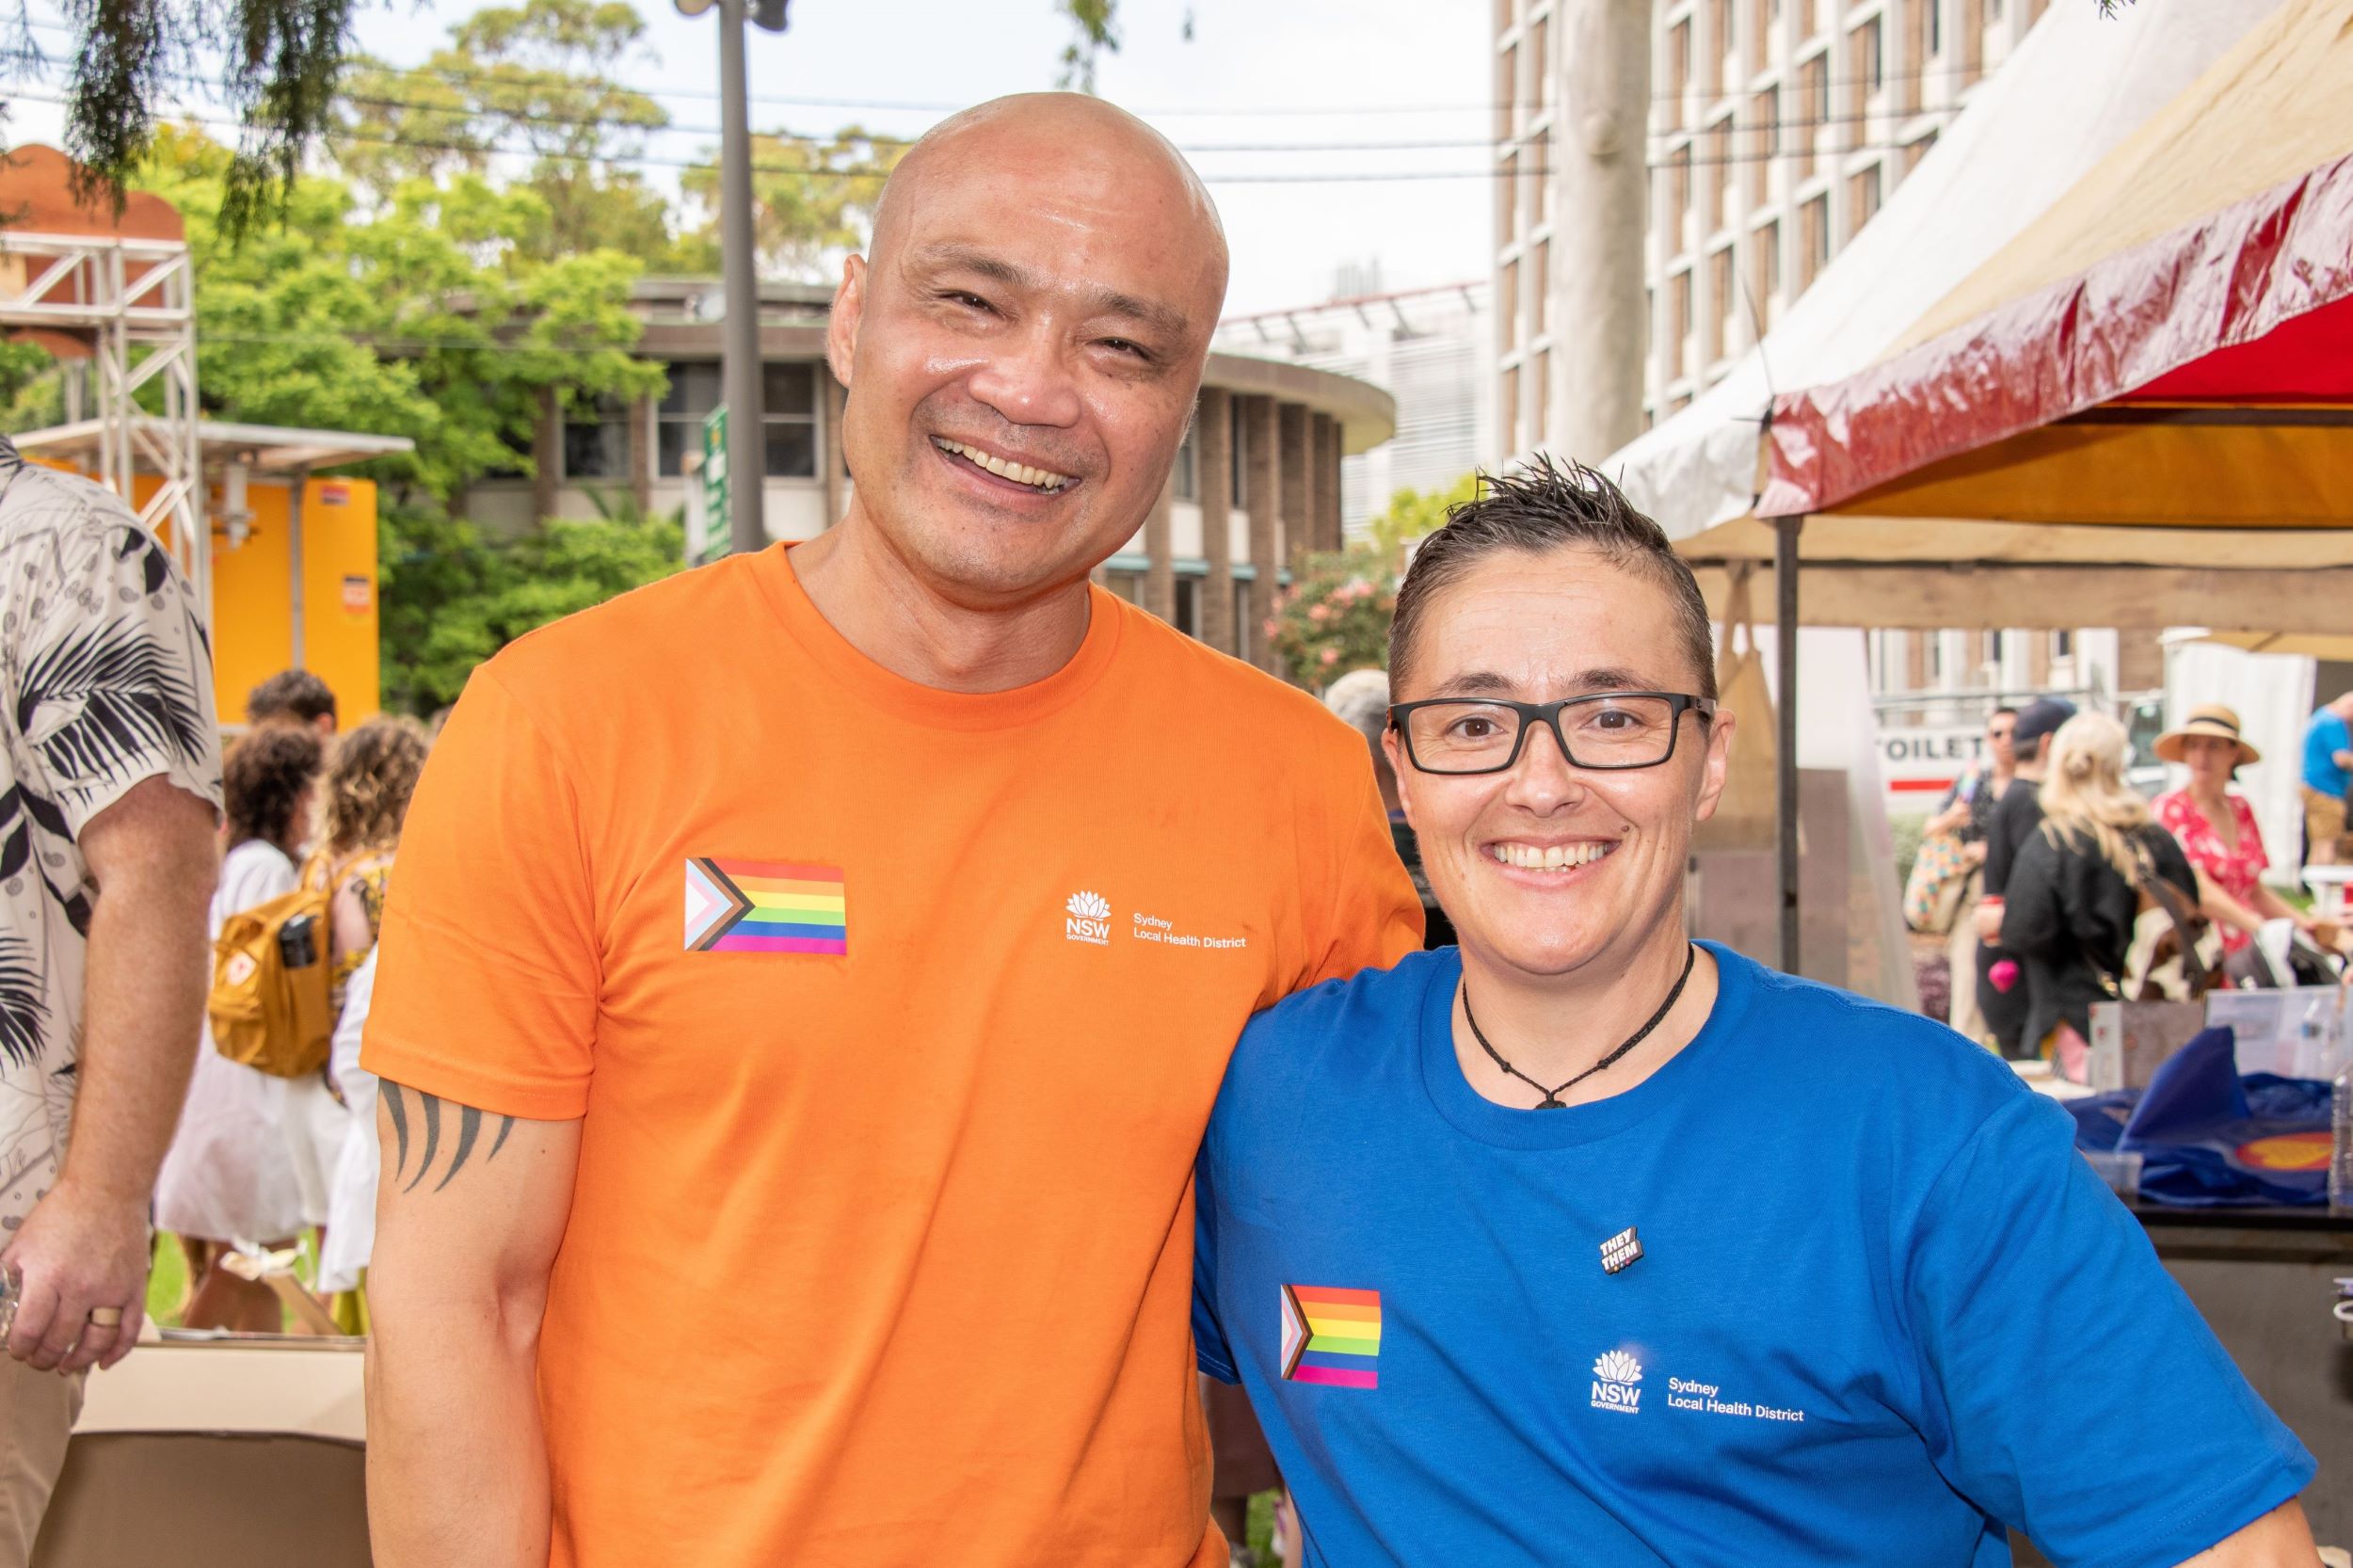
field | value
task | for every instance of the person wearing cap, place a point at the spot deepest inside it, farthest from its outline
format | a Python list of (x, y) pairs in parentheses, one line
[(2327, 772), (2215, 827), (2001, 1000)]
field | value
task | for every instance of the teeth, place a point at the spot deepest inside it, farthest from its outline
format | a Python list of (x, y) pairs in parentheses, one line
[(1020, 473), (1549, 858)]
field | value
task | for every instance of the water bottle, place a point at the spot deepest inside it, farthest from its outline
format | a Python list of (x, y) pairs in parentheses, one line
[(2341, 1142)]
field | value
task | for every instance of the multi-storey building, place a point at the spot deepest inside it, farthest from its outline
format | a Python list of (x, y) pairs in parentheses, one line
[(1256, 484), (1433, 349)]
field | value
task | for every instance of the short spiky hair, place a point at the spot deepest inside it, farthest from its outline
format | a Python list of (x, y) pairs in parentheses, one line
[(297, 693), (1545, 508)]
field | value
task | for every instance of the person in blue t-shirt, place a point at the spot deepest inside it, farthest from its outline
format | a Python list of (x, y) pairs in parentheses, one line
[(2327, 771), (1586, 1244)]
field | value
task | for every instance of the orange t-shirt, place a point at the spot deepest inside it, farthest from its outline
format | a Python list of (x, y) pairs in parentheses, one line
[(895, 1016)]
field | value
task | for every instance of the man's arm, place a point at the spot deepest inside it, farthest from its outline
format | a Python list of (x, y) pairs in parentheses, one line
[(2280, 1539), (85, 1247), (471, 1208)]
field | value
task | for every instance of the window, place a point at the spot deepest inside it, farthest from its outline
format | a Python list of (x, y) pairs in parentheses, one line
[(1813, 111), (1862, 198), (1725, 37), (1540, 286), (1678, 71), (1185, 480), (1720, 174), (1765, 268), (1539, 396), (1763, 143), (1679, 321), (1916, 151), (1540, 61), (1507, 314), (1936, 25), (1722, 284), (1127, 584), (1543, 179), (1874, 61), (1507, 201), (1816, 216), (788, 407), (1189, 606), (1507, 93), (1240, 444), (2062, 643), (679, 422), (1510, 412), (596, 440), (1244, 632), (1679, 198)]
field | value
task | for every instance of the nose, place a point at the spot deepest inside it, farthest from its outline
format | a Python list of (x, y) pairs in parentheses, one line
[(1028, 378), (1542, 780)]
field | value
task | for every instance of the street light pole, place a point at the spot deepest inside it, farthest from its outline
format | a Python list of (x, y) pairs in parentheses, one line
[(740, 367)]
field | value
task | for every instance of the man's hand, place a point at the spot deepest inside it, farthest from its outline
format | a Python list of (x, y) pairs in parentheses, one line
[(85, 1245), (1989, 919), (76, 1253)]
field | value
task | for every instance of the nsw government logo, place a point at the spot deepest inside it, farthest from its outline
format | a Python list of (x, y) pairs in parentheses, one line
[(1089, 920), (1615, 1376)]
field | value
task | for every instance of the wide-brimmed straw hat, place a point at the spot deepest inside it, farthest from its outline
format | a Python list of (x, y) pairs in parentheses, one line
[(2213, 719)]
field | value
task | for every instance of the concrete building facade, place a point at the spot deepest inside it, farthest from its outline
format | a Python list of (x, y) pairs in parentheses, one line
[(1432, 349), (1256, 484)]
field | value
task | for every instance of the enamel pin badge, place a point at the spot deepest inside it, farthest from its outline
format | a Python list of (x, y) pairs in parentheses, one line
[(1621, 1251)]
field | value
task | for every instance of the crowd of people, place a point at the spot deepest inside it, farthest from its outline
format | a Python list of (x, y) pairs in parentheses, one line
[(2067, 886), (262, 1159)]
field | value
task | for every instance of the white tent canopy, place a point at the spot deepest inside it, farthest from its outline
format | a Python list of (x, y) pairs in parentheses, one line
[(2076, 87)]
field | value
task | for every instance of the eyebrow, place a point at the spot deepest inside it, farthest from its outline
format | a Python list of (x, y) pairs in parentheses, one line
[(1102, 301), (1488, 684)]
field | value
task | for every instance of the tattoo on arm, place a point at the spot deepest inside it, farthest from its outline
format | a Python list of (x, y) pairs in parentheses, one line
[(428, 1110)]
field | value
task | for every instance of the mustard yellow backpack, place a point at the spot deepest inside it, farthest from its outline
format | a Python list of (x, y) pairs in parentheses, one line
[(268, 1005)]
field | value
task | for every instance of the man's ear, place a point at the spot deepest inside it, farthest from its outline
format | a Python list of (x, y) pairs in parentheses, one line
[(1717, 766), (849, 307)]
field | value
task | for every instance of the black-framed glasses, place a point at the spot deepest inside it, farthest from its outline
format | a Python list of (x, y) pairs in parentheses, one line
[(1604, 732)]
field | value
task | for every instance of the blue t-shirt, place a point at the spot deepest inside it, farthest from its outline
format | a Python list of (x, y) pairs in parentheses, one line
[(2322, 739), (1879, 1303)]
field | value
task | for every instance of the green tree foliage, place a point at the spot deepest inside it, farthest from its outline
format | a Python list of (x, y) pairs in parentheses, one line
[(451, 598), (1414, 513), (811, 196), (544, 78)]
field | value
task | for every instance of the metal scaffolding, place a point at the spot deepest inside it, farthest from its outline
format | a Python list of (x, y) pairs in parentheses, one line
[(130, 306)]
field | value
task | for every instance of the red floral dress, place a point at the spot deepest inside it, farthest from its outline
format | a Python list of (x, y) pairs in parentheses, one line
[(2237, 872)]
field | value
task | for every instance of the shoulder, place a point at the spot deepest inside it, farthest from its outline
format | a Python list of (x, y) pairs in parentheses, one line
[(34, 498), (629, 644), (1344, 1025), (2173, 806), (1829, 1045), (1259, 717), (256, 871)]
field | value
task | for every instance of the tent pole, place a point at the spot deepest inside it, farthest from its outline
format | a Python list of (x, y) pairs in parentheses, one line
[(1785, 716)]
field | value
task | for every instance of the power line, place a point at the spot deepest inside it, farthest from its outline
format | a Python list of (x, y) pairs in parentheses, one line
[(524, 82), (648, 160)]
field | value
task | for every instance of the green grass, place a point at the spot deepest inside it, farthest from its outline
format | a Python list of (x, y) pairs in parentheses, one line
[(168, 1282)]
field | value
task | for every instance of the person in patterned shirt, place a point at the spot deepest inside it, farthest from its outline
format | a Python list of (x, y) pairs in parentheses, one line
[(2217, 826), (109, 798)]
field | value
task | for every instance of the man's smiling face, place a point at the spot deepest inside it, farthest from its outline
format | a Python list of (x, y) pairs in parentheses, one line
[(1024, 350), (1546, 868)]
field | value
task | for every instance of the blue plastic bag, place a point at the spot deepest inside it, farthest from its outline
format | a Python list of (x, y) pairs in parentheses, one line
[(2209, 1138)]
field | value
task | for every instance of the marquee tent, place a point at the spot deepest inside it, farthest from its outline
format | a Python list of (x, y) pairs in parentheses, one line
[(2145, 364)]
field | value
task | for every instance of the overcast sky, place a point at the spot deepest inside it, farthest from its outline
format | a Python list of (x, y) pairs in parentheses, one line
[(1288, 73)]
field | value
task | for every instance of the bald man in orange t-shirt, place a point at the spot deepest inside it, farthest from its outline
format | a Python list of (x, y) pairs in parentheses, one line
[(806, 980)]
